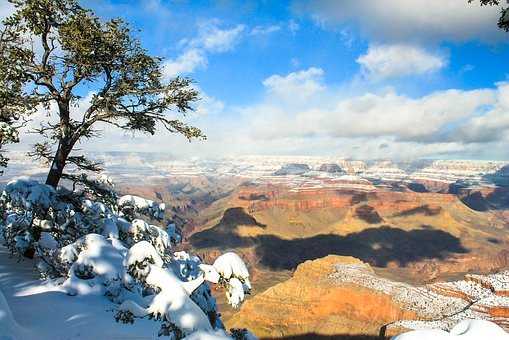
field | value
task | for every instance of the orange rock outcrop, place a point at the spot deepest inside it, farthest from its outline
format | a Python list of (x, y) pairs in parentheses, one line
[(311, 303)]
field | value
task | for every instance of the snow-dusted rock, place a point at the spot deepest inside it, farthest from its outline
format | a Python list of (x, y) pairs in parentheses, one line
[(465, 330)]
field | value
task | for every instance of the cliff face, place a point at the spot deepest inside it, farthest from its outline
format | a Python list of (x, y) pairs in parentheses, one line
[(338, 295), (387, 202), (311, 302)]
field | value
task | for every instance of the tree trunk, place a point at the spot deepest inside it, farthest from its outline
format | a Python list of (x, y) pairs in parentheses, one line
[(58, 164)]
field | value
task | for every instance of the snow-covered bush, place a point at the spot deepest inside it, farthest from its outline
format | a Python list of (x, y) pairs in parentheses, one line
[(133, 205), (93, 245)]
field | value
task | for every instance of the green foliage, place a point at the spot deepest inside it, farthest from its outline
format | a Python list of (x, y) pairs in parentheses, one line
[(51, 49)]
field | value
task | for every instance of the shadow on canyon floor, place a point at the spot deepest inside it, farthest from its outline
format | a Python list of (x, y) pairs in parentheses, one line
[(368, 214), (378, 245), (423, 210)]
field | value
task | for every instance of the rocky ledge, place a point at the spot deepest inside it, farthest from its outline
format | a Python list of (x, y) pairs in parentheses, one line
[(344, 297)]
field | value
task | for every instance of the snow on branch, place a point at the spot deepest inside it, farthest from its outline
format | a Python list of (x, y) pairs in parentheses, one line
[(93, 246)]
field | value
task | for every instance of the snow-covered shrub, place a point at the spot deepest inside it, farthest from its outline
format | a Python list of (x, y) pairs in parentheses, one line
[(93, 245), (26, 206), (233, 274), (139, 230), (132, 206)]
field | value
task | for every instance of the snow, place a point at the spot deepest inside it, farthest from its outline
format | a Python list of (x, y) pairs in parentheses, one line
[(235, 293), (174, 302), (124, 268), (140, 229), (35, 310), (231, 265), (464, 330), (8, 326), (171, 230), (217, 335), (210, 273), (42, 310), (30, 193), (141, 251), (142, 204), (233, 273), (100, 260), (47, 241)]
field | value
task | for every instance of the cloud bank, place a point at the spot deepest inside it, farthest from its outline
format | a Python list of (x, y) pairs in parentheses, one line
[(408, 20)]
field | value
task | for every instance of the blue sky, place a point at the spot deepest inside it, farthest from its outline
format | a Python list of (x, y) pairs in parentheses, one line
[(350, 78)]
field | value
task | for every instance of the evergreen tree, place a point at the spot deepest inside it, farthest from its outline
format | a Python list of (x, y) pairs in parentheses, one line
[(55, 50)]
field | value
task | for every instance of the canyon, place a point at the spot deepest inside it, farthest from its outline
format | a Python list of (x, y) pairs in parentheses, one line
[(343, 297), (339, 249)]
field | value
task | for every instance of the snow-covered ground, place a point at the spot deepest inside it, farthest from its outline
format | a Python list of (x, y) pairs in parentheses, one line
[(105, 266), (30, 310)]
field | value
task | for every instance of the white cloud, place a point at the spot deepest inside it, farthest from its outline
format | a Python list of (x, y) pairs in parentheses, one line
[(211, 39), (389, 61), (208, 105), (366, 116), (264, 30), (300, 114), (299, 85), (408, 20), (214, 39), (347, 37), (187, 62), (491, 126)]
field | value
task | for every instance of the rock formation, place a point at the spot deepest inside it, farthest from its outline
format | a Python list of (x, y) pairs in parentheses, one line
[(336, 296), (292, 169), (331, 168), (311, 302)]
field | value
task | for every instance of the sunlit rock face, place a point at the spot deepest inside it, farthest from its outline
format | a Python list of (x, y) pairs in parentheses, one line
[(483, 297), (339, 295), (312, 302)]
